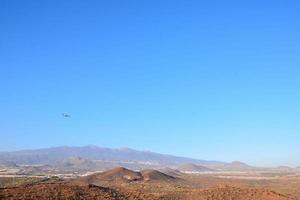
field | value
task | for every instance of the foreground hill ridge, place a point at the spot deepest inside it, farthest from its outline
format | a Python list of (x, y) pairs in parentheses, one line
[(64, 190), (226, 192), (149, 184), (46, 191)]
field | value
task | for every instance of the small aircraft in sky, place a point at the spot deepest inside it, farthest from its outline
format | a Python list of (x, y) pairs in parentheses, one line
[(65, 115)]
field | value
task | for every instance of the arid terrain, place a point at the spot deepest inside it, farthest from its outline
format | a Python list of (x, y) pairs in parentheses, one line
[(99, 173), (149, 100), (167, 184)]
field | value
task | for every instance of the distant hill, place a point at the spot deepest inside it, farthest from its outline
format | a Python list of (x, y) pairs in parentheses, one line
[(7, 163), (236, 166), (77, 162), (193, 168), (284, 168), (58, 155)]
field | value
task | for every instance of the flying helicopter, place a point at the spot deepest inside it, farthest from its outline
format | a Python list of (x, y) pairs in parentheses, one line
[(66, 115)]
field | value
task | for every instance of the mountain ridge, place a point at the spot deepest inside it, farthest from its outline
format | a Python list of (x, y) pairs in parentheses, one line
[(53, 155)]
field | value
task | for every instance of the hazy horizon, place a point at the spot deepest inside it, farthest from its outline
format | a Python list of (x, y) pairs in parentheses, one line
[(149, 150), (206, 80)]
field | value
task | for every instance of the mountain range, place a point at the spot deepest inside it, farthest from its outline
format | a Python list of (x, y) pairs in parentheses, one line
[(68, 155)]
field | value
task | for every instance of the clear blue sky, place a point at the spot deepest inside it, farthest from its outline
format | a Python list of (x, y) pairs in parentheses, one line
[(206, 79)]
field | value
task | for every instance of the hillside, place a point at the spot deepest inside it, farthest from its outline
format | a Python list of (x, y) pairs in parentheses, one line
[(116, 175), (46, 191), (172, 172), (64, 190), (192, 168), (77, 162), (57, 155), (236, 166), (227, 193), (123, 175)]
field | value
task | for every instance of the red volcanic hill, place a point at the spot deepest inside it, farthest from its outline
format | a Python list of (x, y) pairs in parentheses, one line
[(119, 174), (123, 175), (151, 175)]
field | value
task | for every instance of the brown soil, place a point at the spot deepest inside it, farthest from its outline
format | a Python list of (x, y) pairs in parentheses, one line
[(63, 190), (226, 193), (121, 183), (47, 191)]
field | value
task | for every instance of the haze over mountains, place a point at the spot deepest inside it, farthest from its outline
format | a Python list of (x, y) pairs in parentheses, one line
[(85, 154), (93, 158)]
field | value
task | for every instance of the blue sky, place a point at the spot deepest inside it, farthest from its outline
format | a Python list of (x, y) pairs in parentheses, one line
[(211, 80)]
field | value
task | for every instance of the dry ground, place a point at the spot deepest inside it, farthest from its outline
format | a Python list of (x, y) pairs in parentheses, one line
[(185, 187)]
